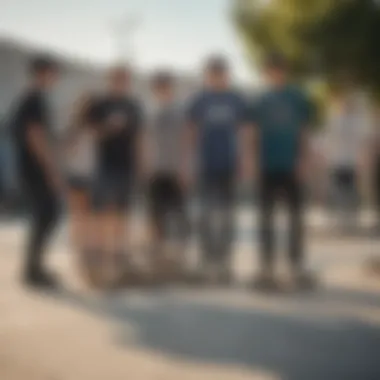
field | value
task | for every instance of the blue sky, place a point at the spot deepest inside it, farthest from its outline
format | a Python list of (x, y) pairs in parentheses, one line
[(179, 33)]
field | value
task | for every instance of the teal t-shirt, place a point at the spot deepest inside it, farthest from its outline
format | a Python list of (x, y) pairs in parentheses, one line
[(280, 115)]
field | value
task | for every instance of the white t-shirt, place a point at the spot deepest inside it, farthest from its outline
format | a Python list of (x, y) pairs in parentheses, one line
[(347, 132)]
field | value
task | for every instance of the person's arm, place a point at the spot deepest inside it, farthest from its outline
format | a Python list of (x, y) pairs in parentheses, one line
[(95, 119), (247, 142), (39, 145), (247, 151), (306, 154), (188, 142), (143, 153), (142, 144), (306, 150)]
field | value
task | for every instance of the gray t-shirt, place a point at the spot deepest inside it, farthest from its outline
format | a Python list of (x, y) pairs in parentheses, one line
[(165, 131)]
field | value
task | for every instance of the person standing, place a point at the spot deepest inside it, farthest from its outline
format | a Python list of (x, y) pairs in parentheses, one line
[(79, 151), (167, 199), (281, 117), (216, 116), (116, 117), (40, 178), (347, 138)]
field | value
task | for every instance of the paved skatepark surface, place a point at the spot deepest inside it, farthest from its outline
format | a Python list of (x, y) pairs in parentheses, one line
[(194, 333)]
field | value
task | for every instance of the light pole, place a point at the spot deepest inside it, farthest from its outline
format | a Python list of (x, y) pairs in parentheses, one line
[(123, 31)]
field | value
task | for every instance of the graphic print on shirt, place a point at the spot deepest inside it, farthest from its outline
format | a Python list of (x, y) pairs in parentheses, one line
[(117, 119), (220, 114)]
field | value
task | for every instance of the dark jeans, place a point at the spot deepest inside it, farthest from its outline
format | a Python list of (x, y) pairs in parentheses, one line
[(346, 199), (167, 203), (275, 186), (217, 218), (376, 184), (44, 206)]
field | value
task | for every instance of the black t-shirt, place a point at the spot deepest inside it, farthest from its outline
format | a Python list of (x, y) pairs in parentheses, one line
[(31, 109), (118, 120)]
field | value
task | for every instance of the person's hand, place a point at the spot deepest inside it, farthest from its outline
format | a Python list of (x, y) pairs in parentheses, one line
[(186, 179), (58, 183), (303, 171), (144, 174), (246, 171)]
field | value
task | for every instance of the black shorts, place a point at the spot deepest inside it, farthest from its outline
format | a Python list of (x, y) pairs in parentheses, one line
[(112, 189), (79, 183), (165, 194), (344, 178)]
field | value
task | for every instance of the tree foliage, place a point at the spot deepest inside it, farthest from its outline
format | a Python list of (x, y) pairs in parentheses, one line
[(336, 39)]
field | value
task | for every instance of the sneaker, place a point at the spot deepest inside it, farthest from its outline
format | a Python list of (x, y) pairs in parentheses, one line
[(266, 282), (304, 281), (225, 276), (41, 280)]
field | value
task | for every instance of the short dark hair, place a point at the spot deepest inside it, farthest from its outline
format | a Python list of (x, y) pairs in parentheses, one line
[(276, 60), (42, 63), (217, 64), (162, 79)]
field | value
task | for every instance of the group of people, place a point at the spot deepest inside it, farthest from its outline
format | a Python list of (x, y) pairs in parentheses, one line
[(213, 142)]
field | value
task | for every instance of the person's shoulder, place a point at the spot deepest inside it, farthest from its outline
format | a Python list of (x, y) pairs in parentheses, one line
[(261, 96), (32, 98), (200, 96)]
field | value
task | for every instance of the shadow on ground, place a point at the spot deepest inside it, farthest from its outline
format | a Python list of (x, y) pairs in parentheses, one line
[(295, 345)]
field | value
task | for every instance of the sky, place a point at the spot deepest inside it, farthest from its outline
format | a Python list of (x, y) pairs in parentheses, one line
[(176, 33)]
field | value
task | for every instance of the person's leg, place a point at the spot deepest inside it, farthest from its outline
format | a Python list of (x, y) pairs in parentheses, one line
[(207, 211), (344, 197), (293, 197), (157, 219), (98, 243), (79, 217), (177, 223), (179, 208), (119, 218), (266, 210), (45, 213), (376, 189), (117, 222), (227, 222), (293, 191), (353, 201)]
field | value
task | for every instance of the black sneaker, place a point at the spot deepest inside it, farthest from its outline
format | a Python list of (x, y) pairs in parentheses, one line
[(225, 276), (304, 281), (266, 282), (41, 280)]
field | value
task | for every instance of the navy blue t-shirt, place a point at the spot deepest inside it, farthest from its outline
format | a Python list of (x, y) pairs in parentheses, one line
[(281, 115), (217, 117)]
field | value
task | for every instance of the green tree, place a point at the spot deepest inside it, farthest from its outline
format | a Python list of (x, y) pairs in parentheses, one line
[(336, 39)]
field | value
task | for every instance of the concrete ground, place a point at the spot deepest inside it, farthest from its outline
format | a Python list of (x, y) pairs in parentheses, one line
[(194, 334)]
